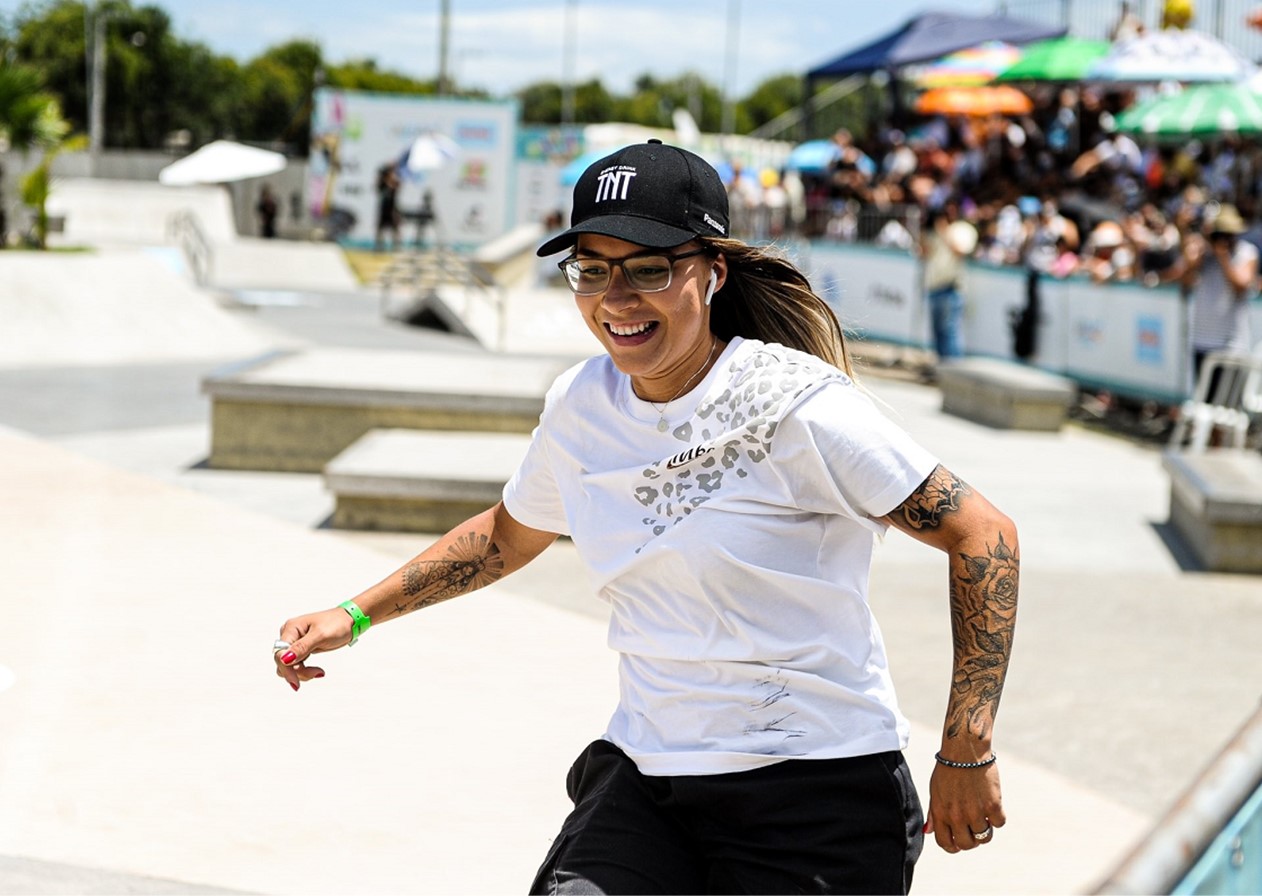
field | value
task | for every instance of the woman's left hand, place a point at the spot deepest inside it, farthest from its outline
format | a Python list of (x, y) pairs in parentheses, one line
[(965, 807)]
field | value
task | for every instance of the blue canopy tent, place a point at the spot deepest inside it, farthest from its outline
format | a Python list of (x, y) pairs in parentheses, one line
[(924, 38)]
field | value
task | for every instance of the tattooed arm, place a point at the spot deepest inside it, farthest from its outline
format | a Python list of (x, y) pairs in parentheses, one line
[(474, 554), (981, 544)]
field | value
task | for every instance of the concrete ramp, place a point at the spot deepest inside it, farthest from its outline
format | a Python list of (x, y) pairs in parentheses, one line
[(122, 306), (247, 263), (146, 733), (137, 212)]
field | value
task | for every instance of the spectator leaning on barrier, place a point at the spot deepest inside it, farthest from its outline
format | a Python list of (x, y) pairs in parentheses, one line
[(946, 241), (1220, 271), (1108, 254)]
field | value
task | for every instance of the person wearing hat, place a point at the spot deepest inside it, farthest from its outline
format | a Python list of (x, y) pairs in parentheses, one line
[(1220, 271), (724, 480)]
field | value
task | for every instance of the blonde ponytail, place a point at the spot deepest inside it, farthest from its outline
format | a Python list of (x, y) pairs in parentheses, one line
[(766, 297)]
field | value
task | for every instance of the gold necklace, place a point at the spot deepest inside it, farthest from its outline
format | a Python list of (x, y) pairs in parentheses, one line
[(662, 425)]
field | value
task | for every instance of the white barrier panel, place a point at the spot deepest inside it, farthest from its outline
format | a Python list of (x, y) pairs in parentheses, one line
[(1122, 337), (1128, 338), (875, 292)]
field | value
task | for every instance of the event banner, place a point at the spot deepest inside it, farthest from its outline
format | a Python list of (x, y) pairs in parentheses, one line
[(454, 160), (1122, 337)]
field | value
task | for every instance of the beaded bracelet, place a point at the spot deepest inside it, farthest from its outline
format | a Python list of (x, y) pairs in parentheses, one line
[(950, 764)]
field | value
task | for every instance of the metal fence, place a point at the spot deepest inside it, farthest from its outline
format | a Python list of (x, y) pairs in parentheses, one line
[(1225, 19)]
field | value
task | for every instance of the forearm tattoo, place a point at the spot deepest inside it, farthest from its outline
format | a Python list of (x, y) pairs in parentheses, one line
[(939, 495), (983, 606), (472, 562), (983, 618)]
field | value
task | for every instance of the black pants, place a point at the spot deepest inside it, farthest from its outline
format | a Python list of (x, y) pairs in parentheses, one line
[(798, 826)]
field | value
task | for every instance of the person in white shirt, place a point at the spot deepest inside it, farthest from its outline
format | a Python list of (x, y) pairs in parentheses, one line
[(725, 481), (1221, 272)]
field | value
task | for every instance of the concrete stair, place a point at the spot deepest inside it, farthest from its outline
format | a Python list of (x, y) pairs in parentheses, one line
[(414, 481), (297, 412)]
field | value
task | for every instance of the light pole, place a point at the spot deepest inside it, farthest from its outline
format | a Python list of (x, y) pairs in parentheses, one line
[(444, 41), (729, 66), (94, 53), (568, 49)]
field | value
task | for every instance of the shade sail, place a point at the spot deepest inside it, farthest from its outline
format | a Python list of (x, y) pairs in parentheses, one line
[(930, 36), (221, 162)]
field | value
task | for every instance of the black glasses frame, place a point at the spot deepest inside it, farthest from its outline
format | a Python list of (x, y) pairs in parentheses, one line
[(620, 262)]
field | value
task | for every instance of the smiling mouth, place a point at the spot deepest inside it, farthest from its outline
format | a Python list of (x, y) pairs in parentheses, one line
[(631, 331)]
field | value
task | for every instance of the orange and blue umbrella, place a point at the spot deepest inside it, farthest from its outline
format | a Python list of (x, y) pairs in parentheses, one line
[(970, 67)]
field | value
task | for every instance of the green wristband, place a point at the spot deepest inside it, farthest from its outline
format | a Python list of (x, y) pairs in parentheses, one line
[(359, 620)]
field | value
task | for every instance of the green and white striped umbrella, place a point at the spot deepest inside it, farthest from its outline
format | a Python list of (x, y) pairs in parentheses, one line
[(1208, 110)]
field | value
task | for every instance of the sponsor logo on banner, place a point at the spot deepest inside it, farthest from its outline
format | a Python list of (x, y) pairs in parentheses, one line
[(475, 133), (887, 295), (1088, 331), (1149, 339)]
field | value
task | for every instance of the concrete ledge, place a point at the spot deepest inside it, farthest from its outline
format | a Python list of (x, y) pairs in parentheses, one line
[(1216, 506), (297, 412), (410, 481), (1005, 395)]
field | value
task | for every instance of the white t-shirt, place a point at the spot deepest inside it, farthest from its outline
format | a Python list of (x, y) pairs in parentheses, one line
[(1220, 318), (733, 550)]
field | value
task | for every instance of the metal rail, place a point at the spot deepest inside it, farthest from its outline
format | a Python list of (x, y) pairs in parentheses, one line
[(1190, 833)]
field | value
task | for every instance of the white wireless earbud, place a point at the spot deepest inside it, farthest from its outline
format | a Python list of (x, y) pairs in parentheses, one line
[(714, 284)]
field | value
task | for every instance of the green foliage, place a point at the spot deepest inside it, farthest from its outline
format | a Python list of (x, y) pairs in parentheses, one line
[(29, 115), (158, 83), (37, 184), (772, 98)]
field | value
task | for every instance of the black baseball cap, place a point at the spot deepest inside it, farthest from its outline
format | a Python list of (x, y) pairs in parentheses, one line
[(650, 194)]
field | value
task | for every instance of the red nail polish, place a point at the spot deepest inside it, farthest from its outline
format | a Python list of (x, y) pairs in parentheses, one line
[(925, 830), (294, 685), (289, 658), (319, 675)]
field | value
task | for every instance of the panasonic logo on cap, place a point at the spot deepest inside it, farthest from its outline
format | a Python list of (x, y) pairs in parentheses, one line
[(715, 224)]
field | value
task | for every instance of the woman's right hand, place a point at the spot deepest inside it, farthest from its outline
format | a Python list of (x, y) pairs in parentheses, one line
[(312, 633)]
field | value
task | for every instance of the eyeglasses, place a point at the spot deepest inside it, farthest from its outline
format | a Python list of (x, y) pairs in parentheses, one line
[(644, 273)]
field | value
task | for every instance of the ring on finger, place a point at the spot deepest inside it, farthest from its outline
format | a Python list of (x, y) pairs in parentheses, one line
[(983, 835)]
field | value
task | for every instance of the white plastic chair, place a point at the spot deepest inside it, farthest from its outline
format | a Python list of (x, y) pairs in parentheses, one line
[(1237, 399)]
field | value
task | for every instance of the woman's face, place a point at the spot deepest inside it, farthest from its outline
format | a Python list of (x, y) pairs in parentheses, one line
[(659, 339)]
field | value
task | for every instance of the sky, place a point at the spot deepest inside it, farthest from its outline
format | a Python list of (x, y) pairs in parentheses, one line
[(501, 46)]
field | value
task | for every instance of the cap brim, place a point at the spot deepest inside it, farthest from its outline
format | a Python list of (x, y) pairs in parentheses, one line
[(641, 231)]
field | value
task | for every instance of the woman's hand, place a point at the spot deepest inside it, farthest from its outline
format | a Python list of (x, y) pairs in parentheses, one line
[(965, 806), (312, 633)]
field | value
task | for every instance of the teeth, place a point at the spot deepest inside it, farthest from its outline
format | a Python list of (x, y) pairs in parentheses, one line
[(629, 330)]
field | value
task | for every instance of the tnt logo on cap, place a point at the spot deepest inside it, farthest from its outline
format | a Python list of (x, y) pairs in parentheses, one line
[(651, 194)]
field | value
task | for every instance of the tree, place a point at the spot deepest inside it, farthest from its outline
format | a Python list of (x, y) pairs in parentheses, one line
[(772, 98), (276, 96), (541, 103), (29, 115)]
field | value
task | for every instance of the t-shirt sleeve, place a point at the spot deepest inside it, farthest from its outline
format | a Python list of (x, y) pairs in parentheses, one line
[(532, 495), (846, 456)]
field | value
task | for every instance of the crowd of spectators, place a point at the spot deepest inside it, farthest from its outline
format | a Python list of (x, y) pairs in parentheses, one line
[(1057, 189)]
